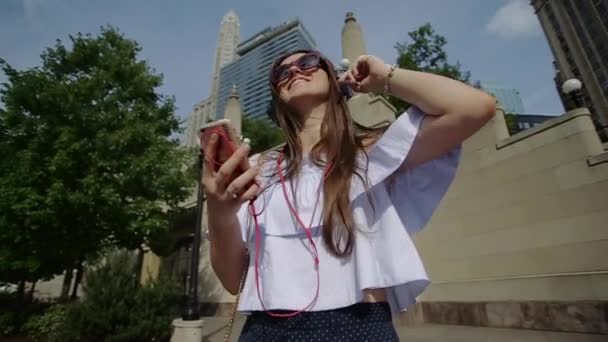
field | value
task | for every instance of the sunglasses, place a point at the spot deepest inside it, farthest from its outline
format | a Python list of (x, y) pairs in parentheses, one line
[(284, 72)]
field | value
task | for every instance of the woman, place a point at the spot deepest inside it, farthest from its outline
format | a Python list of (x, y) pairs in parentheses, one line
[(325, 223)]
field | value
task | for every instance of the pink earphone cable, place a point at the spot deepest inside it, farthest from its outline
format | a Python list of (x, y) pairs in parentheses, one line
[(307, 231)]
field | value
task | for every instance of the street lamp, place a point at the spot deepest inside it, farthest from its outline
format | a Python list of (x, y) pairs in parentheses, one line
[(191, 310), (573, 88)]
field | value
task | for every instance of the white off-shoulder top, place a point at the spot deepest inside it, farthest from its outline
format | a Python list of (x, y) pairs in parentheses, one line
[(384, 255)]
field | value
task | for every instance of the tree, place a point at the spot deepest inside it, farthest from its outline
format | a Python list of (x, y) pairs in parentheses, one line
[(425, 53), (262, 134), (512, 123), (92, 163)]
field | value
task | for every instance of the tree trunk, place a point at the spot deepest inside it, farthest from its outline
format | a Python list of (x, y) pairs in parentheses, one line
[(21, 291), (140, 262), (67, 283), (77, 281), (32, 289)]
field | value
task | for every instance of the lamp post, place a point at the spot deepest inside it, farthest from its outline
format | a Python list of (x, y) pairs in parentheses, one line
[(573, 89), (191, 310)]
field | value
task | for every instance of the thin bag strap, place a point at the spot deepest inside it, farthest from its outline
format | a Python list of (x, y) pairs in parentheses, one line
[(235, 305), (236, 301)]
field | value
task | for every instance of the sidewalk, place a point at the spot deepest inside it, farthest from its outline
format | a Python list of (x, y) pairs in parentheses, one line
[(213, 330)]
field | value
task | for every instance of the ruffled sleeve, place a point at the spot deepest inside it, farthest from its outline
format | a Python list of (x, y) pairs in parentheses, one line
[(415, 193)]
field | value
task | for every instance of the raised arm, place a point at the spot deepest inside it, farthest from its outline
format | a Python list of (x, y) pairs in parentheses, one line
[(226, 192), (455, 110)]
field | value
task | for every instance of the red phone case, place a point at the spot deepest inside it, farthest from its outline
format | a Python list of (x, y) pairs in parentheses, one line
[(228, 142)]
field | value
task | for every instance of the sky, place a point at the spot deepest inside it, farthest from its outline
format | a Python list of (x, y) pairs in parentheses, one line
[(496, 40)]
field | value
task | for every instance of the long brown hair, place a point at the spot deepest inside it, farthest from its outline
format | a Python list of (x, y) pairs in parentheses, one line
[(341, 140)]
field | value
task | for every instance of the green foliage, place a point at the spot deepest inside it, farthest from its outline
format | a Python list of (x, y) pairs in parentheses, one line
[(426, 52), (50, 326), (15, 313), (511, 121), (263, 135), (117, 308), (92, 162), (8, 323), (8, 316)]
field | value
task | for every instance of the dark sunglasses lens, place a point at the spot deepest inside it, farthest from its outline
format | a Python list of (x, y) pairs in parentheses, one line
[(308, 61), (280, 74)]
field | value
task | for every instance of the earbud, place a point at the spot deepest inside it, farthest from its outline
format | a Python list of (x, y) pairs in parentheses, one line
[(345, 89)]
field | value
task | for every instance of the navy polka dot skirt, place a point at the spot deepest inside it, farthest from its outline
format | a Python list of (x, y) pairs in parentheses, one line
[(359, 322)]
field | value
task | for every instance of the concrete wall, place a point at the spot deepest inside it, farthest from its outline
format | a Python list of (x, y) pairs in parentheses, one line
[(521, 239), (526, 218)]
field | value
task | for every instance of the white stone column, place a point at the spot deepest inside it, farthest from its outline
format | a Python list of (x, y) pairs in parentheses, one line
[(187, 331)]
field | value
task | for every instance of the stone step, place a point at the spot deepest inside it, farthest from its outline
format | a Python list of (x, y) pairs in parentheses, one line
[(214, 329)]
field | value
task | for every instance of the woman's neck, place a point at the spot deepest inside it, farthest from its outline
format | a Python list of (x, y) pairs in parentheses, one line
[(311, 127)]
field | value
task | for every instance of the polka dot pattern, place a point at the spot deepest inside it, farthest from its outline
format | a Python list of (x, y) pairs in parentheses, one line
[(356, 323)]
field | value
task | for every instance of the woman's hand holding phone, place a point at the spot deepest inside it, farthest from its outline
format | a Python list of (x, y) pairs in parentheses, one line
[(231, 185)]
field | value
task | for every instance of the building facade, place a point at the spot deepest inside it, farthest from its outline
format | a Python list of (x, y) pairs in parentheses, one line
[(225, 52), (526, 121), (577, 32), (200, 115), (227, 43), (508, 97), (249, 72)]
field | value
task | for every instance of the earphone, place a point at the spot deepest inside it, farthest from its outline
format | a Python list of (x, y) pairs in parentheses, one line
[(224, 134)]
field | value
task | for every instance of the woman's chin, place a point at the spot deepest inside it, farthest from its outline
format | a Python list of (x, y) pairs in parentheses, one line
[(297, 98)]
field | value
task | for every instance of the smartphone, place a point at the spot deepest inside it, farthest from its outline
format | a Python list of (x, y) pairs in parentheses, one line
[(228, 141)]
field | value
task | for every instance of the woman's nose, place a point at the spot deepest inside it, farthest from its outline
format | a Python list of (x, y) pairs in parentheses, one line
[(294, 68)]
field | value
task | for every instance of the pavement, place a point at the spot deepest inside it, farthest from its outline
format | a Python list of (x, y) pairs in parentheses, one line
[(214, 330)]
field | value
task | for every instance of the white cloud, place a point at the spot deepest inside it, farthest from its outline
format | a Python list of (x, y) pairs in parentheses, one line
[(514, 20)]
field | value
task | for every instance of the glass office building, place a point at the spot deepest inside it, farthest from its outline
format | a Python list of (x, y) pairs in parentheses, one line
[(249, 72), (509, 98)]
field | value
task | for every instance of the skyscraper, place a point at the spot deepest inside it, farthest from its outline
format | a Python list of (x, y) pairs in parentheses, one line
[(227, 43), (249, 72), (509, 98), (577, 31), (225, 52)]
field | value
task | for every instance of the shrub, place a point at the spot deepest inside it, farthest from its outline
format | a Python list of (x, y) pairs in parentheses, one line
[(8, 323), (51, 325), (116, 308), (14, 313)]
